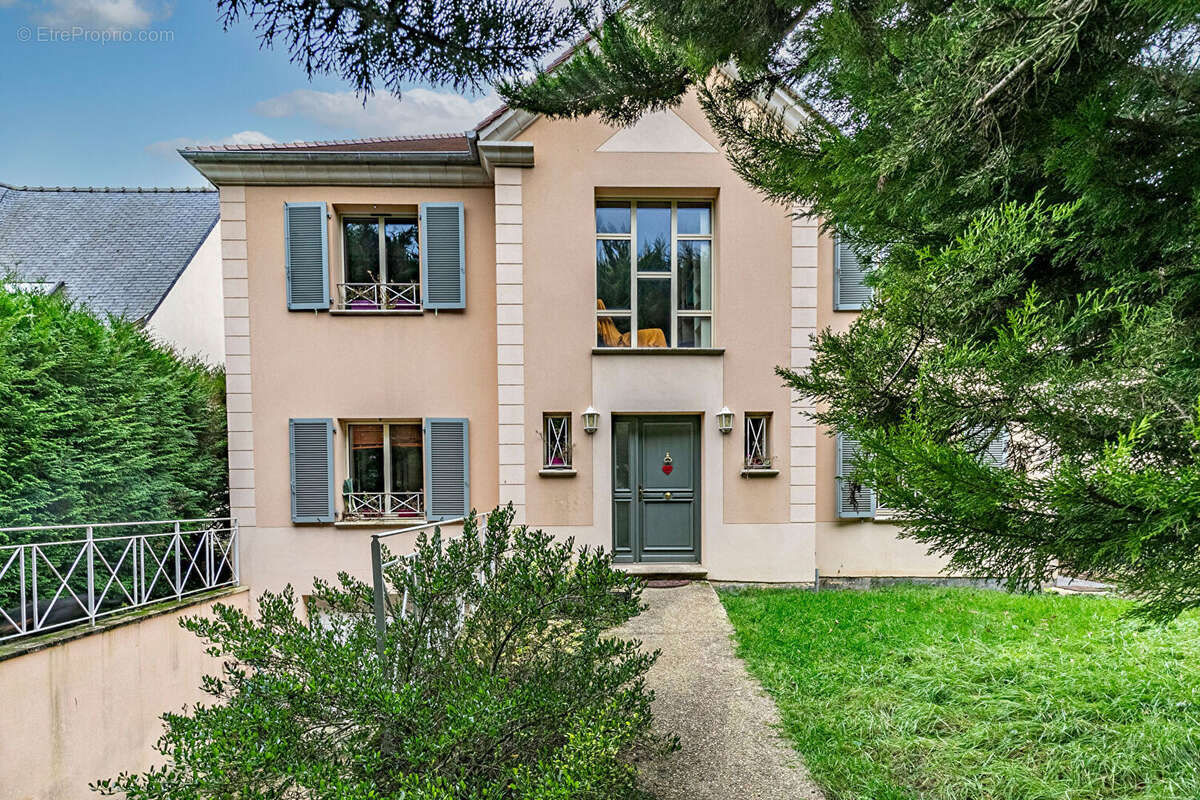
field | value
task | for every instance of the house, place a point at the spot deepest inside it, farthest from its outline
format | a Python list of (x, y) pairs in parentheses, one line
[(150, 255), (579, 320)]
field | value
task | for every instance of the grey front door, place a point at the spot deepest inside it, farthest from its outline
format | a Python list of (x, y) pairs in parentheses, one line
[(656, 488)]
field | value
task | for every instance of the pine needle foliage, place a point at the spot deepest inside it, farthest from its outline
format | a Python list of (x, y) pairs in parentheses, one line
[(100, 423)]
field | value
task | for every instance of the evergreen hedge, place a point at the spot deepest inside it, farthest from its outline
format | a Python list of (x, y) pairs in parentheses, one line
[(101, 423)]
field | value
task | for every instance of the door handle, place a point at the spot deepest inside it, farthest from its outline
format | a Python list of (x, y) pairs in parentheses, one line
[(641, 493), (666, 495)]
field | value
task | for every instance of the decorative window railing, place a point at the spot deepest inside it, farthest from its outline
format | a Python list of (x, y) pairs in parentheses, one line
[(365, 505), (73, 574), (379, 296), (757, 444)]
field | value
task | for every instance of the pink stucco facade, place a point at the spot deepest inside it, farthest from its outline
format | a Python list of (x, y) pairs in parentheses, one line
[(525, 345)]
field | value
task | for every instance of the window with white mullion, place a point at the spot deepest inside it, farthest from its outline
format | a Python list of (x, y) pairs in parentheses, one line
[(380, 262), (644, 307), (385, 470)]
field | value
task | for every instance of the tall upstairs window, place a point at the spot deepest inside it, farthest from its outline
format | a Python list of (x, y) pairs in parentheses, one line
[(653, 273), (382, 268)]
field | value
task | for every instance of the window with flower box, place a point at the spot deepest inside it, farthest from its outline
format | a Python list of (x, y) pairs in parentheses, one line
[(556, 442)]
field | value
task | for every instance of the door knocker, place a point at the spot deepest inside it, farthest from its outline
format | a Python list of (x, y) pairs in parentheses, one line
[(667, 464)]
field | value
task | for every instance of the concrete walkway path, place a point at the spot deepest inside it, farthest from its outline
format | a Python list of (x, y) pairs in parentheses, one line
[(727, 726)]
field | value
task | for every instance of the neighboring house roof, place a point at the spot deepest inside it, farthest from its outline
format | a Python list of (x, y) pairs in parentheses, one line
[(118, 251)]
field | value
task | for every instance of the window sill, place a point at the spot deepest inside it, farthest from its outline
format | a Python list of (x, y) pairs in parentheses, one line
[(381, 522), (557, 473), (377, 312), (759, 473), (658, 351)]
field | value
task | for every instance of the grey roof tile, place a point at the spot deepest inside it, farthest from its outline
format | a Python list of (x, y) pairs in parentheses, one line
[(119, 251)]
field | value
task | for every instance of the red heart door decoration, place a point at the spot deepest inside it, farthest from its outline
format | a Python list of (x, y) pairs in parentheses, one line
[(667, 469)]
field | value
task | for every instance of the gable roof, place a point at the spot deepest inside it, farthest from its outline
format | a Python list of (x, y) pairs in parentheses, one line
[(118, 251)]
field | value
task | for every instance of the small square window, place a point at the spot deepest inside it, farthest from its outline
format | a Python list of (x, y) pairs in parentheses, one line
[(556, 441), (758, 443)]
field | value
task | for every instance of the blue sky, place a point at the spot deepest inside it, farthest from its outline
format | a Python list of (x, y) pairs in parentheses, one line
[(82, 111)]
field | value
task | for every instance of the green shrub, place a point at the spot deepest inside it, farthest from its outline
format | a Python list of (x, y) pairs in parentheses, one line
[(500, 682), (100, 423)]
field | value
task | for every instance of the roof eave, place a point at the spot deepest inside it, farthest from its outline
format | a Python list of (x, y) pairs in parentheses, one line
[(413, 168)]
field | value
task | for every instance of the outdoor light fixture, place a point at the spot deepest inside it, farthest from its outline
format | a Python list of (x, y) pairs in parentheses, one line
[(725, 420), (591, 420)]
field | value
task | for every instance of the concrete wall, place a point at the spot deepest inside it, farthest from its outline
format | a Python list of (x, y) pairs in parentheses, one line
[(190, 316), (89, 708)]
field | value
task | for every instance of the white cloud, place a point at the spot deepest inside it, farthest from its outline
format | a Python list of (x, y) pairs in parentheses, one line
[(101, 14), (167, 147), (418, 111)]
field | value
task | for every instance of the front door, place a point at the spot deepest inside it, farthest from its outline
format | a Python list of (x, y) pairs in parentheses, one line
[(656, 488)]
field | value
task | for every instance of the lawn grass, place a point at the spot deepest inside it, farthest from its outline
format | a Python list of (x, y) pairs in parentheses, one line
[(919, 692)]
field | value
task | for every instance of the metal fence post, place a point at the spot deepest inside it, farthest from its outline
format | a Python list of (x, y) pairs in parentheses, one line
[(24, 601), (236, 532), (91, 575), (34, 556), (178, 573), (380, 597)]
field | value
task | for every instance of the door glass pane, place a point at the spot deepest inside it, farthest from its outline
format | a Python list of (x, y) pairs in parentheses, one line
[(366, 458), (654, 312), (403, 256), (362, 250), (695, 332), (407, 463), (612, 274), (695, 275), (621, 525), (612, 216), (694, 219), (654, 237), (622, 430)]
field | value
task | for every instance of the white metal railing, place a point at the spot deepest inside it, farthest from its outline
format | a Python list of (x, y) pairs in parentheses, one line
[(379, 296), (384, 504), (379, 587), (101, 570)]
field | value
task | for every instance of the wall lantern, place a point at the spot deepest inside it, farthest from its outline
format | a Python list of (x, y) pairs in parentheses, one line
[(591, 420), (725, 420)]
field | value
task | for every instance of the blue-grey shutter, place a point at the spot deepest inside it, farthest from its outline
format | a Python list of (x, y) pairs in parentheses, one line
[(306, 256), (443, 256), (311, 445), (850, 290), (996, 454), (447, 469), (853, 500)]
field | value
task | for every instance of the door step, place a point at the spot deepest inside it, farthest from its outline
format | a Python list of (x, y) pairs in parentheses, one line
[(647, 570)]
